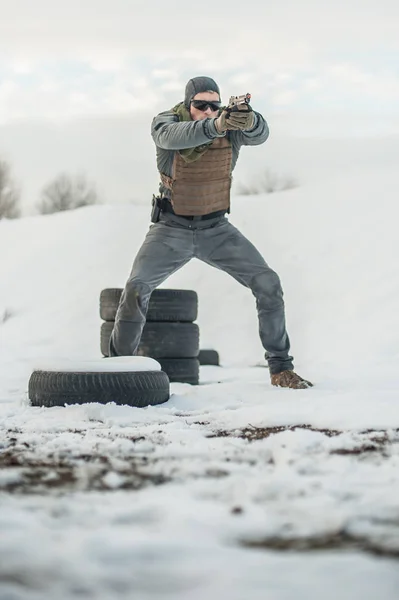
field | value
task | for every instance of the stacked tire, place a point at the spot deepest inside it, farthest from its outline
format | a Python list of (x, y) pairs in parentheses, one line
[(170, 335)]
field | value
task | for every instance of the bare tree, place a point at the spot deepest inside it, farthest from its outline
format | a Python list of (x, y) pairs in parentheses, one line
[(66, 193), (9, 194), (244, 189), (269, 183), (272, 182), (289, 183)]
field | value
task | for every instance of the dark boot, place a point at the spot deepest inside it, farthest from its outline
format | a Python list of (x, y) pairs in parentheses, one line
[(289, 379)]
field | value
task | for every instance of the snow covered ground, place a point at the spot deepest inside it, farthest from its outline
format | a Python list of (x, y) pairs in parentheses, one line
[(232, 489)]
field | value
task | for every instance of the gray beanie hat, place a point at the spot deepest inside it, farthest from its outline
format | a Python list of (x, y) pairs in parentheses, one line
[(197, 85)]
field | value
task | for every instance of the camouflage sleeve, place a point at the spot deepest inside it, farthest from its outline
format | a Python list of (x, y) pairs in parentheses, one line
[(171, 134)]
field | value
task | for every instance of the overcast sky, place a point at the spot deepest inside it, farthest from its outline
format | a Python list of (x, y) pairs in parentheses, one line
[(90, 57), (332, 66)]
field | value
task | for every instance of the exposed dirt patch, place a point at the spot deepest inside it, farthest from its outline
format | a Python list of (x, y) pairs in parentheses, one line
[(252, 433), (27, 468), (369, 440), (363, 449), (340, 540), (22, 474)]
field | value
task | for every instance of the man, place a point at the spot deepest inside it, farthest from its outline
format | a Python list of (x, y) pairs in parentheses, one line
[(197, 145)]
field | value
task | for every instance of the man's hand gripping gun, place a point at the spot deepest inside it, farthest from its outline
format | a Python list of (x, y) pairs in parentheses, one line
[(237, 115)]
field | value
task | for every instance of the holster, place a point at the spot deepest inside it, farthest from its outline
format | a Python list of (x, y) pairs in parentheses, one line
[(157, 205)]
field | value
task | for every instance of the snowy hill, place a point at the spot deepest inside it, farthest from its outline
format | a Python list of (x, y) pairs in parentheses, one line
[(334, 248)]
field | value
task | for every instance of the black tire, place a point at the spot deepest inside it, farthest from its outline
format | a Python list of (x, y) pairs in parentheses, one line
[(183, 370), (135, 388), (161, 340), (105, 334), (208, 357), (164, 305)]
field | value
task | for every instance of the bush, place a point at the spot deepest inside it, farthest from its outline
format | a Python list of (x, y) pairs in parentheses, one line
[(9, 195), (66, 193)]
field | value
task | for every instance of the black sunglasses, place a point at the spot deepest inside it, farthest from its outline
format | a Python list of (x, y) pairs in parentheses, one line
[(203, 104)]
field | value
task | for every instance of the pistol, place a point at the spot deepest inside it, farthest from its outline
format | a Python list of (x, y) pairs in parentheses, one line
[(237, 102)]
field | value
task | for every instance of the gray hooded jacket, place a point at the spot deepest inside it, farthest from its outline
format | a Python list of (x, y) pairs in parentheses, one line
[(171, 135)]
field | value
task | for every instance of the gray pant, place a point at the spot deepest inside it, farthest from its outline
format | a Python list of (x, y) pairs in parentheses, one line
[(173, 242)]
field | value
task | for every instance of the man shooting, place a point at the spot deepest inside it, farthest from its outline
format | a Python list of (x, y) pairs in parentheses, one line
[(197, 146)]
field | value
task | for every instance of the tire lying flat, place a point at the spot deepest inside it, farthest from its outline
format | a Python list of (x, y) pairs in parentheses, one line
[(164, 305), (133, 388), (161, 340)]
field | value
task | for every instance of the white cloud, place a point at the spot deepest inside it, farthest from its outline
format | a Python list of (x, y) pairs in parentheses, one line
[(243, 79), (111, 60), (348, 73), (284, 98), (55, 99), (357, 85), (311, 84), (86, 92), (172, 86), (162, 74), (22, 67), (126, 50)]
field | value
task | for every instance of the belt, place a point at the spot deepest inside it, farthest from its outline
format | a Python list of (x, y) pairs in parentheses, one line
[(167, 208)]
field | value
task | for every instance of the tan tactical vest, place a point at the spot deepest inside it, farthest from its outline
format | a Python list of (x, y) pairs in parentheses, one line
[(202, 186)]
